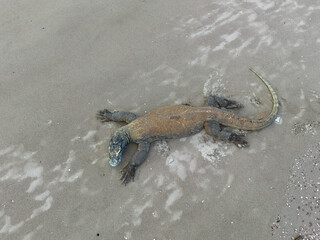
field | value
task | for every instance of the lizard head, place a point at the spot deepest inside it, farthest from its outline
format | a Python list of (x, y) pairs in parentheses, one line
[(118, 143)]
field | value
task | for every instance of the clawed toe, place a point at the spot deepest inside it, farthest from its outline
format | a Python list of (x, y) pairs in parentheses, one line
[(103, 115), (127, 174), (242, 144), (221, 102), (238, 140), (233, 104)]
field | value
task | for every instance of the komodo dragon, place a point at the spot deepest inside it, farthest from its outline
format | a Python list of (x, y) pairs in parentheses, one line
[(177, 122)]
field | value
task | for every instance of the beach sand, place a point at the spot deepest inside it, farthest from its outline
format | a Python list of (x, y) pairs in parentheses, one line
[(62, 61)]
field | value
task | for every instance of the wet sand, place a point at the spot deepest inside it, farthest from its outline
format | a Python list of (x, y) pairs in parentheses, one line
[(62, 61)]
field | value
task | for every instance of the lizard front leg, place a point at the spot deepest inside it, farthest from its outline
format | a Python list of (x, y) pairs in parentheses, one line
[(139, 157), (106, 116)]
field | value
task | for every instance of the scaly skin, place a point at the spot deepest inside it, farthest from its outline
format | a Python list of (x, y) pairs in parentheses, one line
[(176, 122)]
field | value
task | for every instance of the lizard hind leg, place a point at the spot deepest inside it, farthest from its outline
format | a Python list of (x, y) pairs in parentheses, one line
[(220, 102), (213, 129), (128, 172), (106, 116)]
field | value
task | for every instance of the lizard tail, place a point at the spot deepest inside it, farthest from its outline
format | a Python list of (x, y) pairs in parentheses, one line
[(245, 124), (275, 104)]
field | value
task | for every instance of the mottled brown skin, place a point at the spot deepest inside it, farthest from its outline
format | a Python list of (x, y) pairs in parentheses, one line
[(181, 121), (167, 122), (176, 122)]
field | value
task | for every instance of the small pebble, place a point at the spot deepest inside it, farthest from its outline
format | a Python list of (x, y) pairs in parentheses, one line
[(278, 120)]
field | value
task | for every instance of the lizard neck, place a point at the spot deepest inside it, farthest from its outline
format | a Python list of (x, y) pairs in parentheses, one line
[(122, 137)]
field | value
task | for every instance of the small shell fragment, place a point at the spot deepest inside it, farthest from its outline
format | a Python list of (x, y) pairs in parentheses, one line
[(278, 120)]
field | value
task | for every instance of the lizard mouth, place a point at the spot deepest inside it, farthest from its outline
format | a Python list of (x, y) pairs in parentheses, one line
[(114, 159), (114, 162)]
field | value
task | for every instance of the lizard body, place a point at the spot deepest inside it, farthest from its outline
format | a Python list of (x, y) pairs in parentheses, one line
[(176, 122)]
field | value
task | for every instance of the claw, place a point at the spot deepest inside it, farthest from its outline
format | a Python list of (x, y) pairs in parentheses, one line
[(238, 140), (233, 104), (127, 173), (221, 102), (102, 115), (123, 179)]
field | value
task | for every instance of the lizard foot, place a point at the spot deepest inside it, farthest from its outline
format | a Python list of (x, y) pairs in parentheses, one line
[(104, 115), (238, 140), (127, 174), (221, 102), (233, 104)]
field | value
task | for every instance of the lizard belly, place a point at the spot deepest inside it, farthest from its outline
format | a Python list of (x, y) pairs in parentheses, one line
[(167, 122)]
